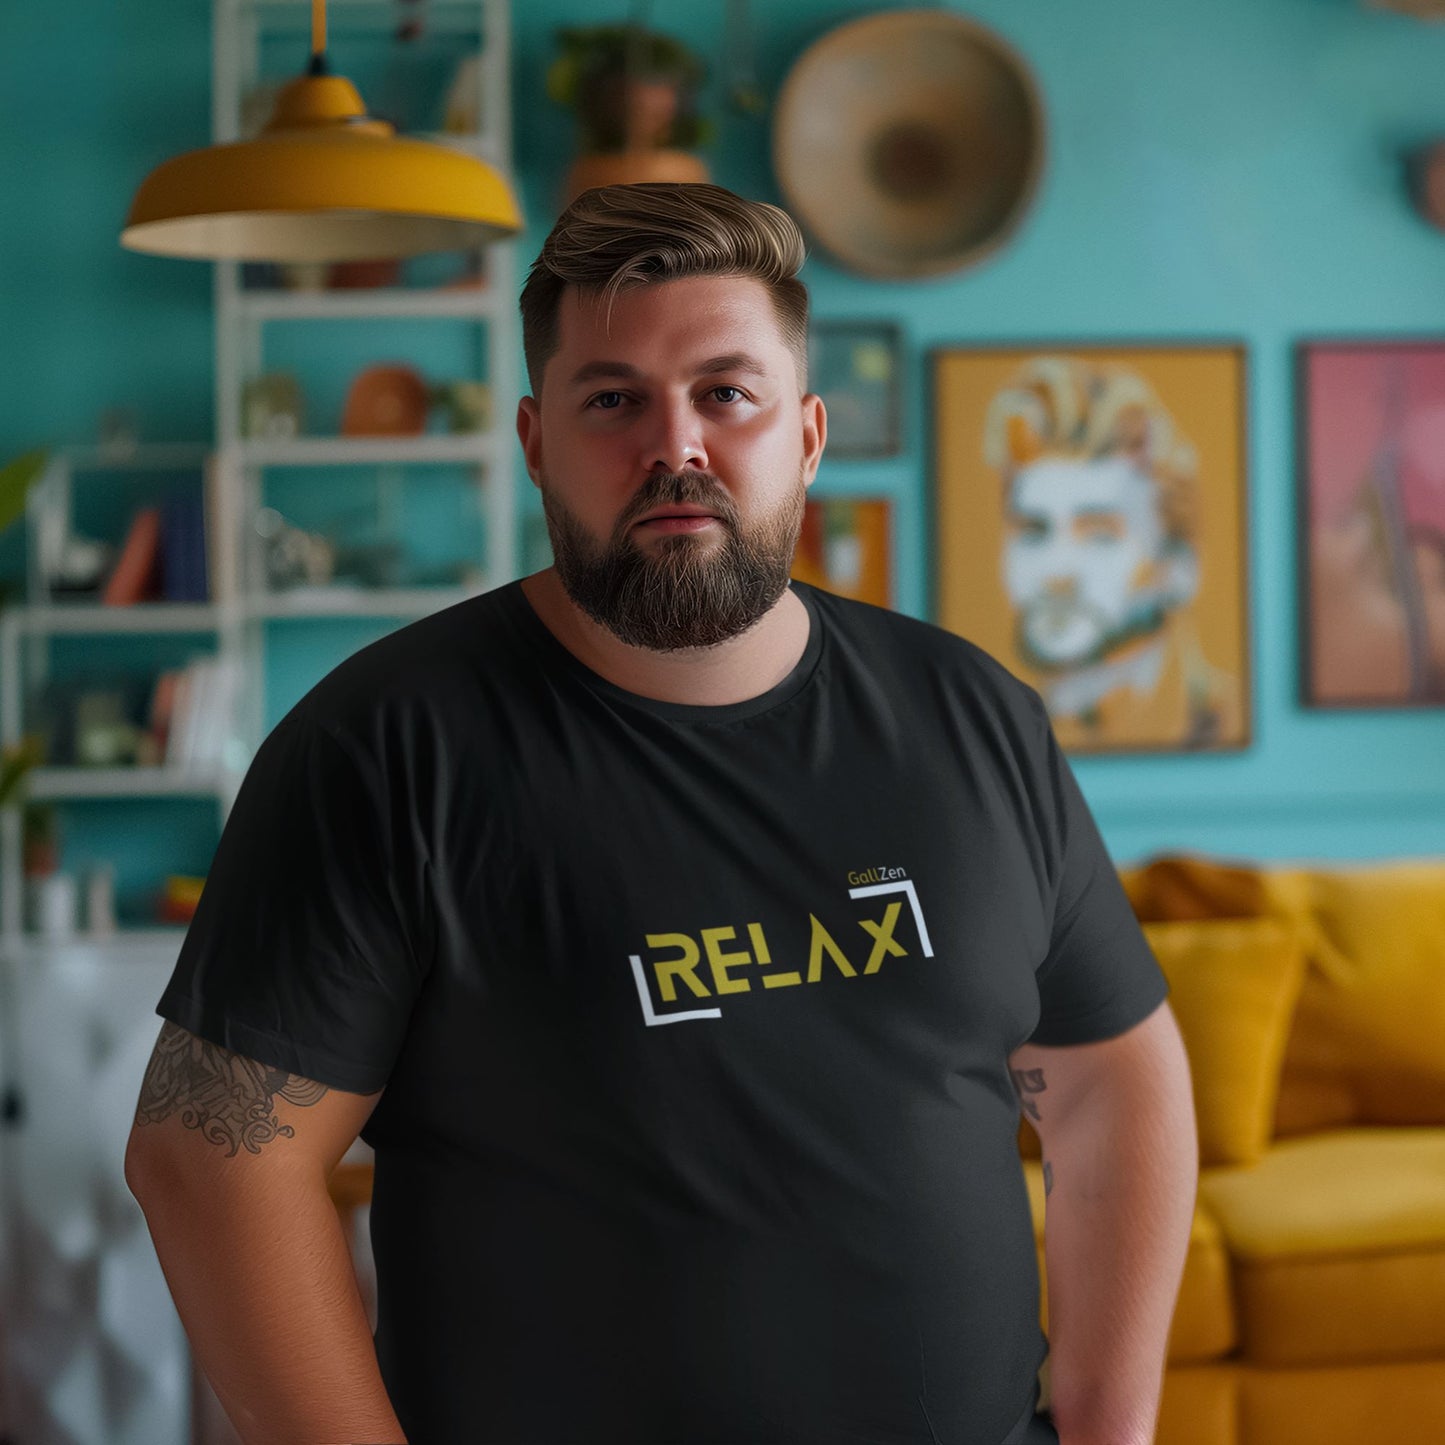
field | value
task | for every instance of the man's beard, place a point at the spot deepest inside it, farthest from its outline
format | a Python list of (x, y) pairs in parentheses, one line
[(683, 590)]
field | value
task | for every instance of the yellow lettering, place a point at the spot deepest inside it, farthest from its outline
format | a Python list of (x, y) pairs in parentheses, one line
[(761, 953), (822, 943), (669, 969), (760, 944), (884, 944), (712, 941)]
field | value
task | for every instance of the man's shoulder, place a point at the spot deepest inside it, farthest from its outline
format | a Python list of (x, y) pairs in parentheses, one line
[(424, 665)]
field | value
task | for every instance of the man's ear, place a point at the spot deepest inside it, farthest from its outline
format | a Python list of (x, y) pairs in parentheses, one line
[(529, 433), (815, 435)]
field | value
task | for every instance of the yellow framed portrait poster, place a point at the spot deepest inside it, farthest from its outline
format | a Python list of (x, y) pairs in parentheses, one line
[(1089, 531)]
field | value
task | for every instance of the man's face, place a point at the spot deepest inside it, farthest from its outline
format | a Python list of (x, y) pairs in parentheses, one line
[(1082, 563), (673, 450)]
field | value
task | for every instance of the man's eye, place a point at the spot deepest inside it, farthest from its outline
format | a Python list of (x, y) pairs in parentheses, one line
[(606, 400), (733, 394)]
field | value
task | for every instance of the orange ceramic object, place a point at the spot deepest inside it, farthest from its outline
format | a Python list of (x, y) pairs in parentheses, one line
[(385, 401)]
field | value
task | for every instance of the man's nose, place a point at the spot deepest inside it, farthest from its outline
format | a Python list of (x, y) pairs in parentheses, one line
[(675, 443)]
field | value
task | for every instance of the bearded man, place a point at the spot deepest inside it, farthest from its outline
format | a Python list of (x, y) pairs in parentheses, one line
[(686, 944)]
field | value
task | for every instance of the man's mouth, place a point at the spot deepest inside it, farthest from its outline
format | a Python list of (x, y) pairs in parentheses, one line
[(681, 519)]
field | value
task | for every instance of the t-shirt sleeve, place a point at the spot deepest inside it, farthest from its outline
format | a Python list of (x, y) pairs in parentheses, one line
[(303, 950), (1100, 977)]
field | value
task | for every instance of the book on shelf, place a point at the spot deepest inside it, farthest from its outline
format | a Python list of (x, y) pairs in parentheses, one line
[(164, 555), (192, 713), (134, 576), (183, 549)]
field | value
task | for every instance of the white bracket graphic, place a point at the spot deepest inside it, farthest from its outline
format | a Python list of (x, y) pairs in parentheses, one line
[(646, 998), (905, 887)]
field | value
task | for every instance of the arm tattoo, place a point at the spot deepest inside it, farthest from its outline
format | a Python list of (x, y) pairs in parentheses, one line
[(227, 1097), (1028, 1082)]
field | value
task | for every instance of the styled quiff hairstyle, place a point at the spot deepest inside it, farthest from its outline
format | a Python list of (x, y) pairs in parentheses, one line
[(613, 237)]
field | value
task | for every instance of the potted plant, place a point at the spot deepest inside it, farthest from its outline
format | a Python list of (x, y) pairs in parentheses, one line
[(634, 92)]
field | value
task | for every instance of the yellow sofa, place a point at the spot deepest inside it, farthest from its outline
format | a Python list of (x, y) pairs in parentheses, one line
[(1312, 1004)]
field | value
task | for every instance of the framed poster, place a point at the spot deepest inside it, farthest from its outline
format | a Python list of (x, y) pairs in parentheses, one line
[(1372, 530), (855, 366), (846, 546), (1088, 529)]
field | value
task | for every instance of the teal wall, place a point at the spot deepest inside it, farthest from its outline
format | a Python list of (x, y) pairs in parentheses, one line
[(1230, 171)]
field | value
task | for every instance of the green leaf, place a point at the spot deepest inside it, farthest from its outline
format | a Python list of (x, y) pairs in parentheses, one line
[(16, 479), (15, 763)]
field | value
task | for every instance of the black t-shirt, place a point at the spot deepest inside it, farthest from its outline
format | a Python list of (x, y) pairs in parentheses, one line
[(693, 1023)]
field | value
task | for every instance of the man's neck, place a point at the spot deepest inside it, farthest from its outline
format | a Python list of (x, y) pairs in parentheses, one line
[(734, 671)]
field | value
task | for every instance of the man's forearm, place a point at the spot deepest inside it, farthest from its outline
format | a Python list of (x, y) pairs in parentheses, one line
[(1122, 1180), (265, 1287)]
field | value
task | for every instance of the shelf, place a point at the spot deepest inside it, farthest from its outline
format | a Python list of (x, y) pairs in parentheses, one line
[(82, 617), (469, 448), (75, 782), (144, 457), (357, 602), (468, 303)]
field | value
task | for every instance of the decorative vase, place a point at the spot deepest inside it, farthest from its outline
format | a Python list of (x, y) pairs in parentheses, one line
[(629, 168)]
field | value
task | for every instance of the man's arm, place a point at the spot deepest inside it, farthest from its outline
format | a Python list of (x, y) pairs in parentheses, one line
[(229, 1160), (1121, 1171)]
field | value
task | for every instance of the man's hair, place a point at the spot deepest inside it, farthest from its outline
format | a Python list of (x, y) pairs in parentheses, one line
[(613, 237)]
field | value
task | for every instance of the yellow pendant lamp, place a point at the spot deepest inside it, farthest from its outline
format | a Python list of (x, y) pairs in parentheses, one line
[(322, 182)]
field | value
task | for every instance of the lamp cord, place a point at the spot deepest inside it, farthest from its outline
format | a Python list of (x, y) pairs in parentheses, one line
[(318, 37)]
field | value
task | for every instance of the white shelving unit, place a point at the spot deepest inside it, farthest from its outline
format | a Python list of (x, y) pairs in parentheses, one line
[(243, 315), (235, 620), (27, 632)]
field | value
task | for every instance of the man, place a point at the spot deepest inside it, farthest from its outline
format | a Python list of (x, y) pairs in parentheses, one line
[(673, 933), (1101, 562)]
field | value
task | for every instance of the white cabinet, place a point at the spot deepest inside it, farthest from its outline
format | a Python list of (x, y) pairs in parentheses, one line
[(94, 1350)]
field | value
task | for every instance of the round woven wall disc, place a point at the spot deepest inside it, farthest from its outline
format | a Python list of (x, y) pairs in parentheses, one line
[(909, 143)]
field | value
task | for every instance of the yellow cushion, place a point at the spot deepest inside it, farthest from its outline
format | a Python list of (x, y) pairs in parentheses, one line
[(1189, 885), (1368, 1045), (1233, 983), (1338, 1245)]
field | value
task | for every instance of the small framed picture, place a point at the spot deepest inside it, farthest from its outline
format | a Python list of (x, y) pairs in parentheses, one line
[(1372, 523), (855, 367), (846, 546), (1089, 533)]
